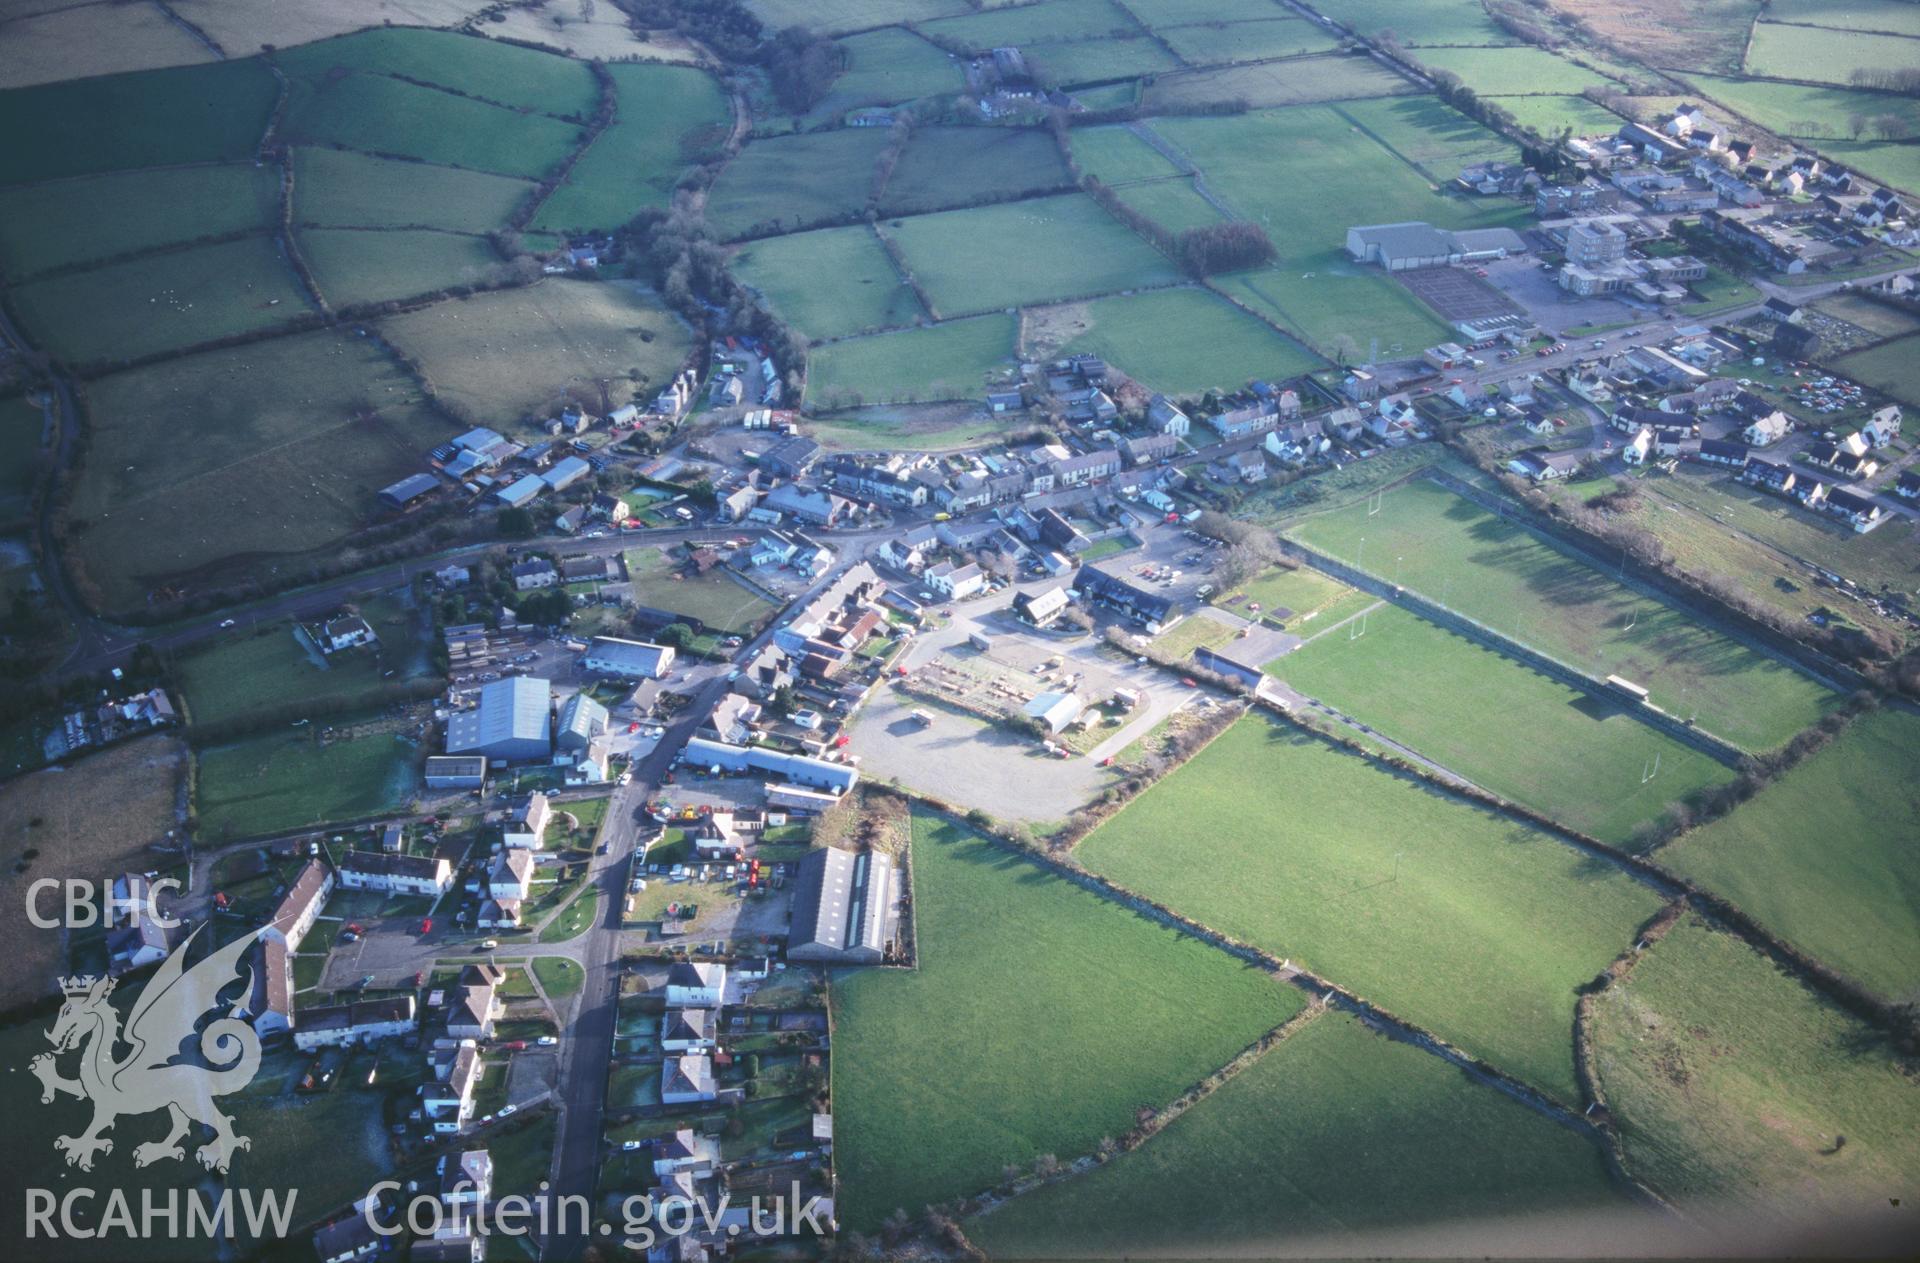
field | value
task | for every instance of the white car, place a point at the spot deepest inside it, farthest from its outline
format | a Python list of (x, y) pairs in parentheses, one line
[(628, 1146), (505, 1110), (227, 622), (546, 1041)]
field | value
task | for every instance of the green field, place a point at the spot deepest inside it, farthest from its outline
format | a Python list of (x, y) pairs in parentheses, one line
[(1893, 368), (288, 780), (1116, 156), (1512, 71), (1800, 109), (1417, 22), (885, 67), (266, 432), (1550, 115), (1302, 1148), (1487, 568), (1096, 1013), (337, 188), (830, 17), (1338, 308), (1036, 23), (944, 361), (946, 166), (1435, 138), (715, 599), (212, 113), (1455, 918), (381, 115), (1730, 1083), (1825, 857), (1072, 62), (500, 356), (90, 218), (356, 266), (1186, 342), (1897, 16), (667, 118), (794, 182), (1019, 253), (1895, 164), (505, 74), (1528, 738), (161, 302), (1215, 44), (1292, 595), (1806, 52), (227, 678), (1175, 13), (1174, 204), (830, 282), (1295, 81)]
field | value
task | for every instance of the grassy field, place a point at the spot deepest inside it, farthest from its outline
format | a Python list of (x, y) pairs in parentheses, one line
[(713, 598), (1451, 550), (1074, 62), (885, 67), (1434, 138), (161, 302), (382, 115), (1176, 13), (1292, 595), (1173, 203), (1185, 342), (1117, 156), (1098, 1014), (337, 188), (1253, 40), (260, 431), (1896, 16), (1887, 322), (1295, 1153), (211, 113), (1014, 254), (1893, 368), (505, 74), (1511, 71), (830, 282), (1805, 52), (1549, 115), (355, 266), (1037, 23), (794, 182), (1295, 81), (945, 165), (1731, 1082), (666, 119), (500, 356), (1842, 888), (1800, 109), (830, 17), (90, 218), (86, 40), (1417, 22), (1895, 164), (944, 361), (1339, 307), (227, 678), (1531, 739), (287, 780), (1473, 926)]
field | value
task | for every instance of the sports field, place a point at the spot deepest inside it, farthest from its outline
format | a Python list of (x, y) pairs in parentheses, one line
[(161, 302), (91, 218), (1737, 1089), (1300, 1147), (501, 356), (352, 266), (338, 188), (830, 282), (1452, 551), (1511, 730), (666, 119), (1017, 253), (945, 166), (1829, 56), (1455, 918), (260, 431), (724, 606), (1097, 1014), (287, 779), (1337, 306), (951, 360), (794, 182), (1185, 342), (1825, 857)]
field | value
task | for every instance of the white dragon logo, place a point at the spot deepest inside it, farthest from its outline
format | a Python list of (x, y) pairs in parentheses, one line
[(157, 1073)]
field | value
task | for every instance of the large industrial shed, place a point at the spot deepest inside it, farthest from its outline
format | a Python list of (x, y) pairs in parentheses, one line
[(843, 907), (512, 724)]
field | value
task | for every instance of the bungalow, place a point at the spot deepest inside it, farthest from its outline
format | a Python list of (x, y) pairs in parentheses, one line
[(535, 572), (1858, 510), (1723, 452), (693, 985), (1769, 475), (347, 632), (1908, 488), (688, 1030), (361, 1022), (1671, 440), (429, 876), (686, 1079), (1546, 466), (587, 569), (1810, 492)]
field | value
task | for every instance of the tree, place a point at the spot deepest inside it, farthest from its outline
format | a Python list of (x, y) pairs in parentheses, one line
[(548, 607), (678, 635), (515, 523)]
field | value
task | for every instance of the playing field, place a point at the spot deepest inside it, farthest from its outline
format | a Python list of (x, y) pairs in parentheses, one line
[(225, 679), (1736, 1088), (1453, 917), (519, 78), (946, 361), (1504, 71), (379, 114), (1042, 250), (794, 182), (211, 113), (666, 119), (1841, 889), (713, 598), (945, 166), (353, 266), (1451, 550), (1263, 85), (337, 188), (1302, 1148), (1185, 342), (1524, 736), (830, 282), (501, 356), (1216, 44), (286, 780), (1808, 52), (92, 218), (270, 433), (1892, 368), (1417, 22), (161, 302), (1097, 1014)]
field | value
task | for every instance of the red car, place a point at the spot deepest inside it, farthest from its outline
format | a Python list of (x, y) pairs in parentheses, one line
[(426, 925)]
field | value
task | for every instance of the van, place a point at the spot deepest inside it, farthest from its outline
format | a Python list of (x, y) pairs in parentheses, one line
[(943, 517)]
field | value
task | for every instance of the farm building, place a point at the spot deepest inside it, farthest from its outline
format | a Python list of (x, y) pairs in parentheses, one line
[(566, 472), (1055, 710), (521, 492), (627, 659), (456, 771), (843, 907), (361, 1022), (511, 723), (396, 874), (796, 768), (409, 491)]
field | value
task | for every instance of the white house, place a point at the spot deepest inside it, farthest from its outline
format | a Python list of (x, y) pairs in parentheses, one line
[(466, 1181), (511, 876), (627, 659), (526, 825), (1883, 427), (684, 1150), (1638, 448), (449, 1101), (1767, 430), (687, 1078), (698, 986), (362, 1022), (346, 632), (396, 874), (956, 583), (689, 1030)]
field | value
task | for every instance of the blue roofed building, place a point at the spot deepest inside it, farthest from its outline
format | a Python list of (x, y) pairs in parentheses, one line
[(512, 723)]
